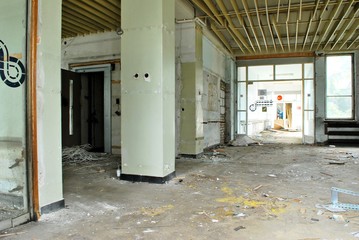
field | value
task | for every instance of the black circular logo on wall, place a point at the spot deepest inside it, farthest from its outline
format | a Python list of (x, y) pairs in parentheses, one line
[(12, 71)]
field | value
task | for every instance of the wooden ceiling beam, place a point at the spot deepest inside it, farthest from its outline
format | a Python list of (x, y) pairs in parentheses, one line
[(242, 23), (246, 8), (337, 25), (319, 24), (85, 19), (260, 25), (347, 25), (349, 35), (222, 38), (73, 29), (76, 25), (78, 21), (350, 46), (88, 12), (203, 7), (115, 17), (68, 33), (287, 26), (284, 8), (231, 25), (277, 32), (116, 3), (114, 6), (269, 25), (215, 12), (328, 25)]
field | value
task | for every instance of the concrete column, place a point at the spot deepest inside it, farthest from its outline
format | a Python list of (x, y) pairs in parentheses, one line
[(148, 90), (192, 137), (320, 76)]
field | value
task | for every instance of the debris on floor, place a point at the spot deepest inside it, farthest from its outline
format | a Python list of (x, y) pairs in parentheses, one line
[(355, 234), (243, 141), (239, 228), (80, 154)]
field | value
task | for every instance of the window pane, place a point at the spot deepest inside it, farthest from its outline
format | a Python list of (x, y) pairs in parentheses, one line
[(308, 70), (242, 75), (290, 71), (260, 73), (308, 95), (339, 75), (242, 97), (242, 122), (339, 107)]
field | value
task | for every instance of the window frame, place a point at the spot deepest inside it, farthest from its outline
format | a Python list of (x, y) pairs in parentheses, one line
[(352, 117)]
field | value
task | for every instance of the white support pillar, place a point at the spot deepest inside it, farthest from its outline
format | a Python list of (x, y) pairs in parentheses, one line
[(148, 90)]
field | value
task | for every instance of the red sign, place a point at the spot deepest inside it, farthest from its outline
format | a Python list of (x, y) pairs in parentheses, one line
[(279, 97)]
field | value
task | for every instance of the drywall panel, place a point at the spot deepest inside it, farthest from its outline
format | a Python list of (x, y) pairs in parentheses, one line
[(49, 102)]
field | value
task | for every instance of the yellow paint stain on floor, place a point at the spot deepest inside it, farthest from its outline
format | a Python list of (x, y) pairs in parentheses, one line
[(231, 200), (227, 190), (149, 211), (269, 205)]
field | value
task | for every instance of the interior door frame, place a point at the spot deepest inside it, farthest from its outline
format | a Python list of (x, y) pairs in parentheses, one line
[(106, 69)]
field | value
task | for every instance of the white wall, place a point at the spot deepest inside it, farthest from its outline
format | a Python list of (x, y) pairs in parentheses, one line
[(12, 102), (49, 102)]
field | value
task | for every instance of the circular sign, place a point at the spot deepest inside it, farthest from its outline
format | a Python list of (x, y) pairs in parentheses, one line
[(279, 97)]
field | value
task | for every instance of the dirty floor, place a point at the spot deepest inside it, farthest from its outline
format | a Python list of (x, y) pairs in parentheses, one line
[(272, 191)]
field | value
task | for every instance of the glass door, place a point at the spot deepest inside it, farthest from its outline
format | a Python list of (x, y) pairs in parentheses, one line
[(13, 160)]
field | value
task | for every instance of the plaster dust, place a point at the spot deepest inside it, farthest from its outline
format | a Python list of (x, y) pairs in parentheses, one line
[(256, 192)]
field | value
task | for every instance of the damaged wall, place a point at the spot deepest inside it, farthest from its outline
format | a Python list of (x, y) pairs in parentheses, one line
[(218, 67)]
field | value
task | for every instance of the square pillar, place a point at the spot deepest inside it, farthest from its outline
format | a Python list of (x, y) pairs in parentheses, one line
[(148, 90), (192, 137)]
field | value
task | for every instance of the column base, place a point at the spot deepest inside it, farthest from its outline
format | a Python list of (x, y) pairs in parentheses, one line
[(149, 179)]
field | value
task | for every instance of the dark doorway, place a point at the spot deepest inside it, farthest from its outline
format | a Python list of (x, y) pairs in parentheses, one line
[(83, 109), (92, 122)]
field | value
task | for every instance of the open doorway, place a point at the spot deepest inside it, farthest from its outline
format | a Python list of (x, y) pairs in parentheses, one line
[(85, 110), (275, 112)]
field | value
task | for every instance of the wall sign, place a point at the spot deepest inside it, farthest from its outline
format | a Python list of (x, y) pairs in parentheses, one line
[(12, 71)]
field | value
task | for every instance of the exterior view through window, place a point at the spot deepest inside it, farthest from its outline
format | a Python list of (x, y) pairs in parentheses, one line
[(339, 87)]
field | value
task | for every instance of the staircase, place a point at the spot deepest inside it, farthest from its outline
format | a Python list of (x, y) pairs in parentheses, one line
[(342, 132)]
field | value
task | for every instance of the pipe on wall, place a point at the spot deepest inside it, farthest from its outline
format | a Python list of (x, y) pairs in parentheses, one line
[(33, 111)]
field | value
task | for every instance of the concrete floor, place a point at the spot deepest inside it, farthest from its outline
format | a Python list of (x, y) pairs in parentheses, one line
[(256, 192)]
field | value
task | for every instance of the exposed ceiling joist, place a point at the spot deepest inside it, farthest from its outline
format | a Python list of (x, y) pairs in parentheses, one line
[(245, 27)]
